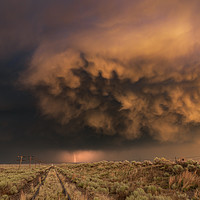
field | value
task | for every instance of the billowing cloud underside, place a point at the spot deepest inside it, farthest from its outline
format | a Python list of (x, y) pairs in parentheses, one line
[(124, 72)]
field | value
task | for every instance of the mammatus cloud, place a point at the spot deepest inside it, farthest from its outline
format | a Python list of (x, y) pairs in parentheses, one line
[(134, 71)]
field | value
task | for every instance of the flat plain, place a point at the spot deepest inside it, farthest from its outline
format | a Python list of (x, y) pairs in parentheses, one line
[(106, 180)]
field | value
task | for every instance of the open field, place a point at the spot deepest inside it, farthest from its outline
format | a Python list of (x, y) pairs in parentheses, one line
[(14, 180), (157, 180)]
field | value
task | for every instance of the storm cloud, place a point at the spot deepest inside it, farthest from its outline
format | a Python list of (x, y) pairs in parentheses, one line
[(99, 75), (125, 73)]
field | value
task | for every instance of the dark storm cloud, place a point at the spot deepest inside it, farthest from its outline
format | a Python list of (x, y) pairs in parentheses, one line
[(166, 107), (100, 72), (124, 73)]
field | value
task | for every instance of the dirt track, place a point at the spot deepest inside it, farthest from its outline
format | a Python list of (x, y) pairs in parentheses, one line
[(52, 188)]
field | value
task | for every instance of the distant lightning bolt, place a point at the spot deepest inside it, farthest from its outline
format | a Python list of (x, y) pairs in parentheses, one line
[(74, 157)]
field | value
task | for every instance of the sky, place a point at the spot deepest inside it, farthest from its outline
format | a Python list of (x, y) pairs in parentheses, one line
[(99, 80)]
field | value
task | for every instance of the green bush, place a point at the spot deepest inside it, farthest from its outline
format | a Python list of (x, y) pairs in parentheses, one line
[(4, 197), (166, 174), (3, 185), (103, 190), (161, 161), (162, 198), (178, 169), (191, 167), (147, 162), (82, 184), (138, 194), (122, 189), (93, 184), (157, 178), (153, 189), (13, 190), (192, 162), (133, 162)]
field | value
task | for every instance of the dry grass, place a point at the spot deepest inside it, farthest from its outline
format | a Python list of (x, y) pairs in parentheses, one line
[(172, 180), (185, 180), (22, 196)]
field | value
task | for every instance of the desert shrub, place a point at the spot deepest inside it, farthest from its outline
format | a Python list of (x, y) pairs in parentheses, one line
[(166, 174), (157, 178), (161, 161), (198, 166), (126, 162), (13, 190), (81, 184), (12, 180), (157, 160), (182, 196), (140, 194), (120, 178), (192, 162), (91, 189), (103, 190), (114, 187), (139, 183), (162, 198), (138, 163), (191, 167), (122, 189), (153, 189), (147, 162), (167, 167), (3, 185), (93, 184), (178, 169), (133, 162), (132, 197), (4, 197)]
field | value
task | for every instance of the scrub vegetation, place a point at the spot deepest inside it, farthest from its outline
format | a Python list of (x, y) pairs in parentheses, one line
[(13, 180), (157, 180)]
